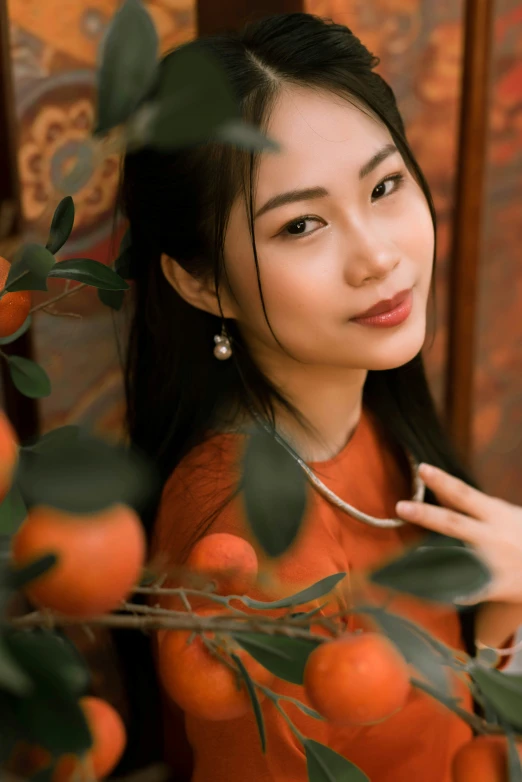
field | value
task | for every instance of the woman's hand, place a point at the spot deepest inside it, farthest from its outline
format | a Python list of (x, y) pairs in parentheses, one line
[(492, 526)]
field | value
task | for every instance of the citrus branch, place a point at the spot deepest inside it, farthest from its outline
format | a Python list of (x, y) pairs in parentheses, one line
[(61, 296)]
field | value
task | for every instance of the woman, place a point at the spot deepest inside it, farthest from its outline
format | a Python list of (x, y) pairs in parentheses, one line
[(272, 262)]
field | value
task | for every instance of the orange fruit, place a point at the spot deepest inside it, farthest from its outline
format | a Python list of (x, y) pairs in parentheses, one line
[(357, 679), (483, 759), (200, 683), (8, 454), (14, 307), (109, 739), (100, 557), (228, 559)]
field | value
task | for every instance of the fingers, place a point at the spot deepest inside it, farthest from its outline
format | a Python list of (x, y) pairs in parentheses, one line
[(457, 494), (443, 520)]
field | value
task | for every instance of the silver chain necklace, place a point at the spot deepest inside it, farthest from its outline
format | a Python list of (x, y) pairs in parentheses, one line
[(418, 486)]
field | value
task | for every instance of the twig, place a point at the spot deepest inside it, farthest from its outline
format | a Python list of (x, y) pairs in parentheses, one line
[(61, 296)]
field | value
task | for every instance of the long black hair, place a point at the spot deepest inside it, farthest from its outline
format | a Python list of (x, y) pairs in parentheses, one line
[(178, 203)]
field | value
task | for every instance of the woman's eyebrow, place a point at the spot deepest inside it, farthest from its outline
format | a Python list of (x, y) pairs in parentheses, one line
[(309, 193)]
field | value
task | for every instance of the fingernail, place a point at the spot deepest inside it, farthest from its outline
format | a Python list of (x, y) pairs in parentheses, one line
[(427, 469)]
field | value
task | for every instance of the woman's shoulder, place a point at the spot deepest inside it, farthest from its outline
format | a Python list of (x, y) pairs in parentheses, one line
[(205, 478)]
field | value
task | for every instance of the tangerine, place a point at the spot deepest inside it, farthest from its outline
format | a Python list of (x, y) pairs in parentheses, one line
[(8, 454), (357, 679), (228, 559), (109, 739), (483, 759), (100, 557), (14, 307), (108, 736), (200, 683)]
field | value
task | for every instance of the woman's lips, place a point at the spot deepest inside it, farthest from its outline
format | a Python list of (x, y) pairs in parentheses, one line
[(391, 318)]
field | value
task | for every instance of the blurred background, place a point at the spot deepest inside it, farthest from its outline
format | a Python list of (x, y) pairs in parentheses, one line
[(53, 46)]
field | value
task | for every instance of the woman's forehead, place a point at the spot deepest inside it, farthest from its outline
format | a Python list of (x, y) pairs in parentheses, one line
[(319, 134)]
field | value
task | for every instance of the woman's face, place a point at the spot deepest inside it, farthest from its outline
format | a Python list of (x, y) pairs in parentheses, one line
[(359, 236)]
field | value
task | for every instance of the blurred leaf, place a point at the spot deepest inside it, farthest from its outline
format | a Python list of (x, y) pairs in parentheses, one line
[(284, 657), (85, 475), (16, 578), (56, 722), (90, 272), (305, 709), (326, 765), (55, 438), (253, 699), (18, 333), (112, 299), (319, 589), (20, 277), (50, 661), (128, 65), (12, 511), (415, 650), (29, 377), (12, 677), (245, 136), (514, 766), (82, 170), (62, 225), (502, 690), (38, 259), (274, 493), (442, 574), (193, 99), (449, 701)]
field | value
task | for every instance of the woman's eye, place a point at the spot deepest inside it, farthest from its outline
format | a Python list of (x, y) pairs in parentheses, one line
[(387, 186), (298, 227)]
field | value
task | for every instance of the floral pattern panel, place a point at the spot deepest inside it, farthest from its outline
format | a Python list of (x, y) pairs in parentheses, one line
[(54, 49)]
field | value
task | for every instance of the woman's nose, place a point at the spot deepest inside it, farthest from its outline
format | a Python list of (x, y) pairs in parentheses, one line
[(370, 257)]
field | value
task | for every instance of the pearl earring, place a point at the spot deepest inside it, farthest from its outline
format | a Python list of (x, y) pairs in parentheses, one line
[(223, 350)]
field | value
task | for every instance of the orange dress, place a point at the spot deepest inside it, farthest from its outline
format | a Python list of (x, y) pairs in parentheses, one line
[(418, 742)]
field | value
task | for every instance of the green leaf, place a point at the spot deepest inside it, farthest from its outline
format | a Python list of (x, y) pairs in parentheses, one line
[(254, 700), (54, 439), (192, 100), (326, 765), (38, 259), (305, 709), (20, 277), (89, 272), (319, 589), (514, 766), (29, 377), (26, 325), (502, 690), (79, 175), (86, 475), (284, 657), (128, 65), (441, 574), (245, 136), (58, 723), (50, 660), (12, 677), (275, 516), (62, 225), (449, 701), (112, 299), (415, 650), (12, 511)]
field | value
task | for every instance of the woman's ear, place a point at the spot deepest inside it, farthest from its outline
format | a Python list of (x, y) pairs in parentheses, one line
[(195, 291)]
